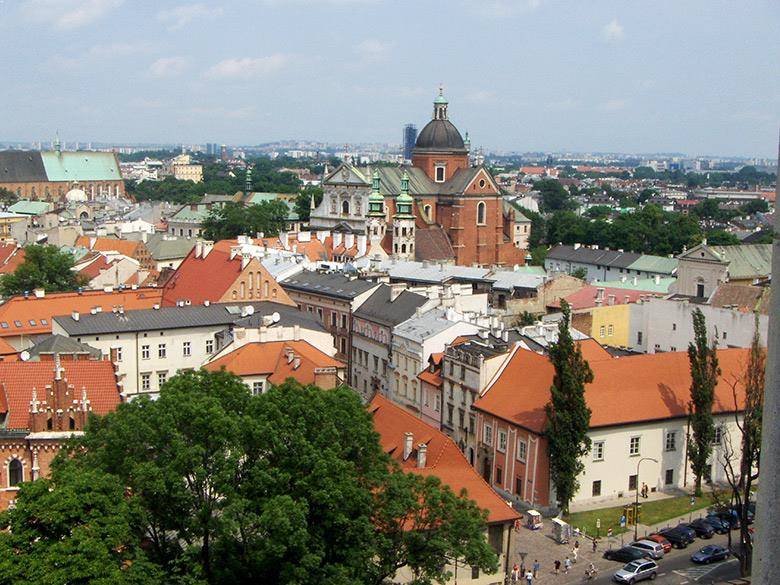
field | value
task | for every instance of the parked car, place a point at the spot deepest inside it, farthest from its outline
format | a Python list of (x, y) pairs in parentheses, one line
[(718, 524), (702, 528), (727, 516), (710, 554), (679, 538), (660, 540), (654, 549), (750, 514), (625, 554), (636, 571), (687, 529)]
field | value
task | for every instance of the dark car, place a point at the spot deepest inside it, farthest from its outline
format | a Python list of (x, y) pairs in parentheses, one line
[(750, 514), (678, 537), (727, 517), (710, 554), (625, 554), (702, 528), (720, 525)]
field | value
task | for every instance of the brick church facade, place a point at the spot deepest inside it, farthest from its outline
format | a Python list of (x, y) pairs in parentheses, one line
[(43, 404), (439, 208)]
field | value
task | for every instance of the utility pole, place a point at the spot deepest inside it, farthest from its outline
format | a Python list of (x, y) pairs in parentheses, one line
[(766, 569)]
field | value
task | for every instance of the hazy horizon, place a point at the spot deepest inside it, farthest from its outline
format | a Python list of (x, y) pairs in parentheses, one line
[(522, 76)]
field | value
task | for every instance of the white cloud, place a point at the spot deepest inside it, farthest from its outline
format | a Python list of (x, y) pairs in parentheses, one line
[(613, 31), (372, 50), (168, 66), (181, 16), (68, 14), (613, 105), (248, 67)]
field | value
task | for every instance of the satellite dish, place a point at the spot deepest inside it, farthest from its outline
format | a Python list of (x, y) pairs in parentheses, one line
[(24, 356), (275, 317), (250, 310)]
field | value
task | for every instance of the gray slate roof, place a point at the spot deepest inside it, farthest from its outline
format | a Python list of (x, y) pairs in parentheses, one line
[(380, 309), (174, 318), (17, 166), (164, 247), (329, 285), (60, 344), (584, 255)]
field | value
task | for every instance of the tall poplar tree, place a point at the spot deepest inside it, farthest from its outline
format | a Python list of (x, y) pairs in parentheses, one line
[(568, 415), (704, 378)]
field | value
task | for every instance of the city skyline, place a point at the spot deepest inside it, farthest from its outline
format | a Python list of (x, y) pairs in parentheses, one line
[(522, 76)]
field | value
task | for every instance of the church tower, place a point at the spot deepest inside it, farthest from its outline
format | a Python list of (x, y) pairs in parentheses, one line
[(403, 223), (376, 224), (440, 150)]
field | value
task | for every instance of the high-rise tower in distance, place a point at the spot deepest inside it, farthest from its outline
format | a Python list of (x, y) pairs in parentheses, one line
[(410, 137)]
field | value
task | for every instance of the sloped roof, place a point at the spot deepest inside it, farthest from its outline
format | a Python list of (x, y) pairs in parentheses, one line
[(444, 460), (381, 309), (432, 243), (331, 285), (81, 166), (625, 390), (33, 316), (656, 264), (201, 279), (164, 247), (126, 247), (644, 284), (17, 166), (60, 344), (17, 380), (600, 257), (746, 260), (11, 256), (271, 358), (29, 207), (742, 296), (587, 296)]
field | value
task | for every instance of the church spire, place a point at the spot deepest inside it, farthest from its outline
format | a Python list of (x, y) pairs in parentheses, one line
[(440, 105)]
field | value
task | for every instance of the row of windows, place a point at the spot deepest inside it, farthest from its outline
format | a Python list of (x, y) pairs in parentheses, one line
[(633, 484), (146, 380), (635, 444), (32, 322), (521, 452), (162, 350)]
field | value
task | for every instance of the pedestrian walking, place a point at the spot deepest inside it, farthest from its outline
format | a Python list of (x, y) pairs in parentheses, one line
[(537, 566), (595, 541), (566, 565), (529, 576), (557, 567), (515, 573), (576, 550), (644, 490)]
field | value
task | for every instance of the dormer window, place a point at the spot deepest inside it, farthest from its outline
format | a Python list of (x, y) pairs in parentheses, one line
[(439, 173)]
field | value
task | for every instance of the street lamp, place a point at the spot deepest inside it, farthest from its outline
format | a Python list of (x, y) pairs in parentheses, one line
[(636, 503)]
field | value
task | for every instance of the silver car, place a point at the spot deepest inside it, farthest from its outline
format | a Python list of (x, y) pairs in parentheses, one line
[(636, 571), (655, 550)]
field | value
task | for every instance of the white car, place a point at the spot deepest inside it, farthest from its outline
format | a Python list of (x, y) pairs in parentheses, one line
[(637, 571), (654, 549)]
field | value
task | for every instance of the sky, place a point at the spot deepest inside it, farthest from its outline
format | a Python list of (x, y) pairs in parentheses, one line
[(634, 76)]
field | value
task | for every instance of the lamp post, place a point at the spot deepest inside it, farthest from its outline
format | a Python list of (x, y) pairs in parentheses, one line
[(636, 503)]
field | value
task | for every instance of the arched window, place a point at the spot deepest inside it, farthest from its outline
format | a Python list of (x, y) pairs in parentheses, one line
[(15, 473), (481, 213), (72, 424), (428, 212), (49, 424), (345, 207), (403, 248), (266, 285)]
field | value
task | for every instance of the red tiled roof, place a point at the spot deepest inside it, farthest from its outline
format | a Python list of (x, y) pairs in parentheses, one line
[(270, 358), (94, 268), (126, 247), (11, 256), (585, 298), (593, 351), (6, 349), (444, 459), (17, 380), (34, 314), (201, 279), (625, 390)]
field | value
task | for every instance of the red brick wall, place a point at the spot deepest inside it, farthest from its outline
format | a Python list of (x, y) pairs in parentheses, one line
[(428, 161), (21, 449)]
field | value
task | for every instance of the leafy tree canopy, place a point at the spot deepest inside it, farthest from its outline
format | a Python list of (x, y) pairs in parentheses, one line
[(210, 485), (45, 267), (303, 201), (234, 219)]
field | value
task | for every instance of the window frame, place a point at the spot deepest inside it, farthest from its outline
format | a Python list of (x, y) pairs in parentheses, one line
[(600, 449), (638, 451)]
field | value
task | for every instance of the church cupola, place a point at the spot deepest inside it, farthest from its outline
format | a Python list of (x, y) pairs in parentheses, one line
[(440, 106), (403, 223), (376, 201), (440, 150)]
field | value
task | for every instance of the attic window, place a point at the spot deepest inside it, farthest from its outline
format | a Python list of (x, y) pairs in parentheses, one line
[(482, 183), (32, 322), (18, 323), (4, 325), (44, 322)]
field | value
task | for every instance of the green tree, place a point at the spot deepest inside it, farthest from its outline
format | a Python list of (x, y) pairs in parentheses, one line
[(568, 415), (721, 238), (581, 273), (553, 196), (78, 526), (303, 201), (755, 206), (703, 359), (45, 267), (538, 255), (599, 212), (291, 486), (234, 219), (7, 197)]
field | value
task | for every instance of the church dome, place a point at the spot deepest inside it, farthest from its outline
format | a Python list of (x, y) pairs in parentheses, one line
[(75, 195), (440, 134)]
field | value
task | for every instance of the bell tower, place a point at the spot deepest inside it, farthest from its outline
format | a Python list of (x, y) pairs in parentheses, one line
[(403, 223)]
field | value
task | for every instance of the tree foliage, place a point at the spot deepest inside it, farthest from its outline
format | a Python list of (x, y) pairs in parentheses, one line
[(303, 201), (223, 487), (553, 195), (705, 371), (568, 415), (45, 267), (234, 219)]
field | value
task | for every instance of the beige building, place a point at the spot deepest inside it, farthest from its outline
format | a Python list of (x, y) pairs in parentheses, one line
[(182, 168)]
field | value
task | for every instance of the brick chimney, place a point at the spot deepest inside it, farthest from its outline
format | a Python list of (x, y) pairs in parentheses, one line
[(408, 444), (422, 455)]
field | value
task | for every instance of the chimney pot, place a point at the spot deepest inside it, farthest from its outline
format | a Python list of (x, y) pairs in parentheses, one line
[(408, 442), (422, 455)]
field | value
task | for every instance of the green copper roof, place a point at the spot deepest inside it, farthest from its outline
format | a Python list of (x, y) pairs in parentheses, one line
[(29, 207), (81, 166), (659, 264), (642, 284)]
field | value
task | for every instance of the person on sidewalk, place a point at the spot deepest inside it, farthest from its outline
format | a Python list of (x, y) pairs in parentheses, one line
[(557, 567), (576, 550), (515, 573), (566, 565), (595, 544), (644, 490), (537, 566), (529, 576)]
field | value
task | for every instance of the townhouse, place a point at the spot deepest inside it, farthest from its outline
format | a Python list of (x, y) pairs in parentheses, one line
[(601, 265), (639, 408), (372, 336)]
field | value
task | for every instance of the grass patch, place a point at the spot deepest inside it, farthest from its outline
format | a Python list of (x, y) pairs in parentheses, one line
[(653, 512)]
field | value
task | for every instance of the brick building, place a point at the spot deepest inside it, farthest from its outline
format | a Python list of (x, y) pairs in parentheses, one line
[(42, 405), (50, 175)]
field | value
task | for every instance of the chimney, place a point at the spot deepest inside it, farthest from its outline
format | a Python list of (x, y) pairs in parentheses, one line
[(245, 258), (657, 279), (198, 248), (39, 293), (349, 240), (577, 246), (361, 245), (75, 315), (284, 239), (599, 294), (422, 455), (296, 332), (296, 363), (634, 280), (396, 289), (408, 442), (611, 300), (207, 247)]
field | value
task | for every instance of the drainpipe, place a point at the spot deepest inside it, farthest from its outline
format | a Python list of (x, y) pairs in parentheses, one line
[(766, 570)]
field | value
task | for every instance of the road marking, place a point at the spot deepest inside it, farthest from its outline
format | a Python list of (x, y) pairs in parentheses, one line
[(696, 573)]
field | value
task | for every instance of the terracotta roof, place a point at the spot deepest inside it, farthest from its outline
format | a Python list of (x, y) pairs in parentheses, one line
[(432, 378), (744, 297), (432, 243), (271, 359), (444, 459), (201, 279), (33, 315), (6, 349), (17, 380), (585, 298), (625, 390), (593, 351), (96, 266), (126, 247), (11, 256)]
